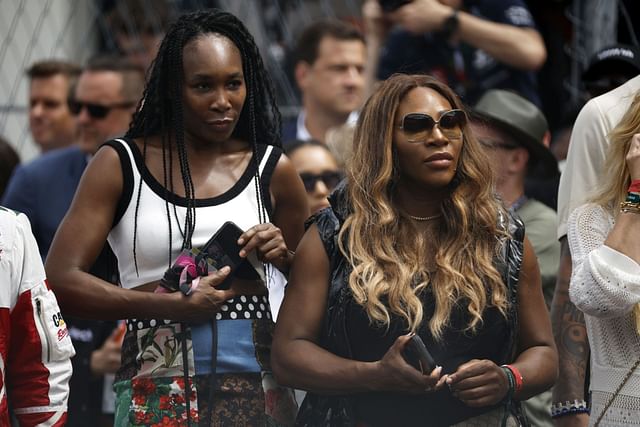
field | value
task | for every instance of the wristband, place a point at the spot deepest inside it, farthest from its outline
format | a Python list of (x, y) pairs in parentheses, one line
[(560, 409), (635, 186), (517, 376), (512, 383), (633, 198)]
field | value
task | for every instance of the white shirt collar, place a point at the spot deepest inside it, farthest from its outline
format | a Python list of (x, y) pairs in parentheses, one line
[(302, 133)]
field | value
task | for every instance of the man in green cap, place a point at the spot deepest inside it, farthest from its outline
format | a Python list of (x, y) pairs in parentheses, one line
[(513, 131)]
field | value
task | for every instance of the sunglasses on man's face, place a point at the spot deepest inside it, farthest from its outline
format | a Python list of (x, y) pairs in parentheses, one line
[(330, 179), (417, 125), (96, 111)]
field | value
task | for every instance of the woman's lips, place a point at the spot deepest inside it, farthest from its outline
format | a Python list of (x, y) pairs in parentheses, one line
[(440, 160), (221, 125)]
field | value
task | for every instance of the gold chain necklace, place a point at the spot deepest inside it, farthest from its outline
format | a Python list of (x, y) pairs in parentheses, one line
[(425, 218)]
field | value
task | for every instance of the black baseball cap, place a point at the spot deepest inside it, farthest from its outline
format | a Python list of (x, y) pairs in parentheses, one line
[(616, 60)]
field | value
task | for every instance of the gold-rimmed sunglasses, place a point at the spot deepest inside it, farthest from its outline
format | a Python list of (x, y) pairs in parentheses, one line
[(417, 125)]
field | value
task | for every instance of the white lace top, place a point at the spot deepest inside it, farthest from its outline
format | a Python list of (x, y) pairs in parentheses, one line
[(605, 285)]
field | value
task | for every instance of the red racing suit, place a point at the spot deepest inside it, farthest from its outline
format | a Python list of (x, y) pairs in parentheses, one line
[(35, 347)]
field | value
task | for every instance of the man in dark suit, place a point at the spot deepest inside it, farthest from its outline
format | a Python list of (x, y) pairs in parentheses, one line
[(103, 102), (329, 59)]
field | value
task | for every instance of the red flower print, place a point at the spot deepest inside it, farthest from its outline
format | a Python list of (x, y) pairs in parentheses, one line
[(165, 422), (180, 382), (144, 386), (178, 399), (139, 400), (165, 402), (139, 417)]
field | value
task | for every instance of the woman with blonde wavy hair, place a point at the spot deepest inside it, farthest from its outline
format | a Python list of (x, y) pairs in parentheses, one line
[(414, 244), (605, 283)]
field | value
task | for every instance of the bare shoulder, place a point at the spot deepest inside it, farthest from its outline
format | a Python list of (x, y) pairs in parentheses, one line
[(285, 182), (103, 177)]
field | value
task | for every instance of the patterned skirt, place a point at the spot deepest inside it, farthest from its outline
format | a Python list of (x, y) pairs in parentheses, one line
[(162, 360)]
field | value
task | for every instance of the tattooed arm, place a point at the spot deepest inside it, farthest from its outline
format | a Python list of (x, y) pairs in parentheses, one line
[(570, 335)]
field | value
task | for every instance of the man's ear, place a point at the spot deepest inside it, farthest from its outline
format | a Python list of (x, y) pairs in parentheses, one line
[(518, 159), (302, 71)]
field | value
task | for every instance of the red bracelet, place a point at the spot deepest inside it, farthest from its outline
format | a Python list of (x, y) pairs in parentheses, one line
[(516, 375), (635, 186)]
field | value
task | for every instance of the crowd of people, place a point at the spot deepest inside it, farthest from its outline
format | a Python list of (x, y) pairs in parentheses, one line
[(403, 251)]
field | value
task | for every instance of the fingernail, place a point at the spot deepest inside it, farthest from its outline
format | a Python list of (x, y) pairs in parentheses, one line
[(225, 269), (242, 253), (240, 241)]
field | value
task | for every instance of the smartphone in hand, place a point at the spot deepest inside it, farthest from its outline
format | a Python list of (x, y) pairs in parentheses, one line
[(417, 355), (223, 250)]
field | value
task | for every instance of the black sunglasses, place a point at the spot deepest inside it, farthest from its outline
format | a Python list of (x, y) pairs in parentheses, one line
[(418, 124), (96, 111), (330, 178)]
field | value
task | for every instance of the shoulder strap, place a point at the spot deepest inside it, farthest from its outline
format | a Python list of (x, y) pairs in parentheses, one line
[(509, 267), (126, 163), (268, 156)]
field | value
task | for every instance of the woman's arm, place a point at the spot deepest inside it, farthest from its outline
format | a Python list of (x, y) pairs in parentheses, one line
[(537, 358), (481, 382), (80, 238), (606, 275), (518, 47), (276, 243), (298, 360)]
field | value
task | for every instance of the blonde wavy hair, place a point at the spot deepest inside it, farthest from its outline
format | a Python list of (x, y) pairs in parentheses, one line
[(384, 247), (615, 176)]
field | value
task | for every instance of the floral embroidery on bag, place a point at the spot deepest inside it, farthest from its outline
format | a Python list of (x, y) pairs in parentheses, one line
[(161, 402)]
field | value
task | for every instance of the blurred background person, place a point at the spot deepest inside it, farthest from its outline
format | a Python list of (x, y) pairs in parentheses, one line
[(512, 130), (605, 283), (137, 28), (51, 123), (318, 169), (582, 173), (329, 63), (340, 142), (471, 45), (610, 67), (9, 159), (103, 102)]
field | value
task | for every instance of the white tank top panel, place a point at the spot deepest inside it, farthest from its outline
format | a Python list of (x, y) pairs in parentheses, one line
[(146, 198)]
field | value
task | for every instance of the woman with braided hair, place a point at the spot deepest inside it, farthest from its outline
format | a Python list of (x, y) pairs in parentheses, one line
[(203, 149)]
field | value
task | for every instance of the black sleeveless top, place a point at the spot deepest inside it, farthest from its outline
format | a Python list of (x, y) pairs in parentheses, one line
[(347, 332)]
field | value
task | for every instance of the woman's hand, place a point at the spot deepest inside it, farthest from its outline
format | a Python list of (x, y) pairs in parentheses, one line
[(269, 244), (633, 157), (397, 375), (205, 300), (479, 383)]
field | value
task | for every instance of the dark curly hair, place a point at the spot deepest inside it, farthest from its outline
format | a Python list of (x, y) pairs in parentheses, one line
[(161, 113)]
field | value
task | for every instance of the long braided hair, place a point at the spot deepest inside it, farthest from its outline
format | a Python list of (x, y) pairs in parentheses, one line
[(161, 111)]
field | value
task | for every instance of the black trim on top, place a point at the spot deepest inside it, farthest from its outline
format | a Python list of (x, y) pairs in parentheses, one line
[(175, 199), (127, 180), (265, 179)]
